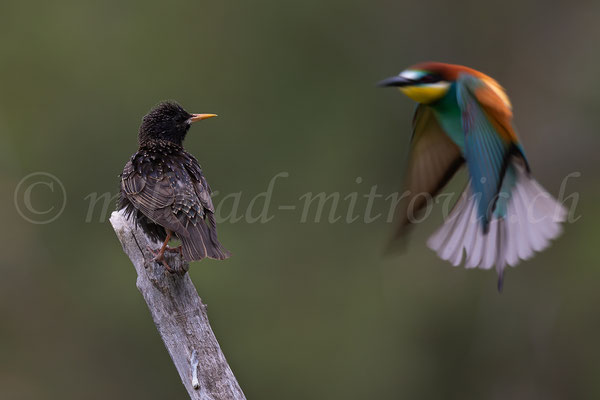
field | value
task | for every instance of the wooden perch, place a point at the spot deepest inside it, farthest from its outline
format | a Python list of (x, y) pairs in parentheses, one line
[(180, 318)]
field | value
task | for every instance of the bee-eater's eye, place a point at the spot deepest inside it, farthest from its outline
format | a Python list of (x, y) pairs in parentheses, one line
[(430, 78)]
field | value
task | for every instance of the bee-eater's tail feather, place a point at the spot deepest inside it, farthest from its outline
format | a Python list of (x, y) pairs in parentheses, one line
[(532, 219)]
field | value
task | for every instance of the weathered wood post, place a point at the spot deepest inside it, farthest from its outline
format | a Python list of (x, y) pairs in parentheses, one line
[(180, 318)]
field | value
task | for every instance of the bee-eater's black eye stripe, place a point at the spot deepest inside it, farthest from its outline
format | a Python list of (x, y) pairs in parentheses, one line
[(429, 79)]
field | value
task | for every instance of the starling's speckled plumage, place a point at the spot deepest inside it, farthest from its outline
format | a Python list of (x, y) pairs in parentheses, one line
[(163, 188)]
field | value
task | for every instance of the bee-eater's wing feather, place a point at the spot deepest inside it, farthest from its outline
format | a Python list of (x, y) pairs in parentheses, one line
[(433, 160), (489, 140)]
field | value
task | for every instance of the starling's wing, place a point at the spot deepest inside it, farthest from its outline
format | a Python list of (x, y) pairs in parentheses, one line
[(433, 160), (150, 191), (200, 184), (167, 193), (489, 139), (194, 207)]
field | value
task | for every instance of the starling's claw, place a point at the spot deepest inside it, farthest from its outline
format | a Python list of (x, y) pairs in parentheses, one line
[(160, 257), (164, 263), (153, 251)]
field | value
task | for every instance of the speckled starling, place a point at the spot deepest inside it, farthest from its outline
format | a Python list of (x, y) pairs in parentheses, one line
[(164, 191)]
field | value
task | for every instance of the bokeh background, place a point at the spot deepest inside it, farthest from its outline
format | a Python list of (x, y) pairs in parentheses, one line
[(303, 310)]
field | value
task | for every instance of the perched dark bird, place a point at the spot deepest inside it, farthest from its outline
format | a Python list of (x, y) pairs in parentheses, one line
[(465, 117), (163, 188)]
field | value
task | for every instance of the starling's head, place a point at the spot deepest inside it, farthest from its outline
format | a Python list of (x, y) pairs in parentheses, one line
[(168, 121), (424, 83)]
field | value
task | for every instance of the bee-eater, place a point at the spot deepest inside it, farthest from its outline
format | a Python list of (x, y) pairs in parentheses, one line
[(465, 116)]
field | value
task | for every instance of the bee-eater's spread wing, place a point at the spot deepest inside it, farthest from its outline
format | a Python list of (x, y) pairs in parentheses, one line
[(489, 139), (433, 160)]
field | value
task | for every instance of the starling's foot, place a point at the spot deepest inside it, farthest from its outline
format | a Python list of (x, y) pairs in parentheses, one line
[(164, 263), (160, 257), (178, 249), (153, 251)]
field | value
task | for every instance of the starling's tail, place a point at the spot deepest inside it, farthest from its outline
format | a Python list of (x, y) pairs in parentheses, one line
[(532, 218), (202, 241)]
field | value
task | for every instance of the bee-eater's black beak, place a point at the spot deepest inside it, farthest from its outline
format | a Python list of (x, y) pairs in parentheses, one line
[(397, 81)]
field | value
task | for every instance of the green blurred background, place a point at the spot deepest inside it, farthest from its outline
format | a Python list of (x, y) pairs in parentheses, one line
[(302, 310)]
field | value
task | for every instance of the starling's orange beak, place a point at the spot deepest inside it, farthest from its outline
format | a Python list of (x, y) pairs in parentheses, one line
[(200, 117)]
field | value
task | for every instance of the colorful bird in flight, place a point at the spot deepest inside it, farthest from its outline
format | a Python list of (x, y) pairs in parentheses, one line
[(464, 116)]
